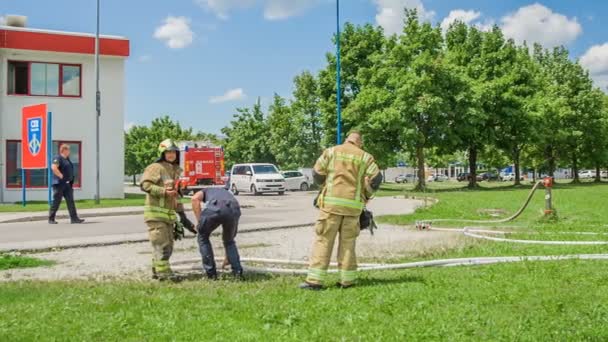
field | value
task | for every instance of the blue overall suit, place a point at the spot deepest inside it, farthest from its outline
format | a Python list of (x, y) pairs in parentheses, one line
[(221, 208)]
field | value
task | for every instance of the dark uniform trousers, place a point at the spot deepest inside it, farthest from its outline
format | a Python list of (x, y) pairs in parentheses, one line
[(225, 213), (63, 190)]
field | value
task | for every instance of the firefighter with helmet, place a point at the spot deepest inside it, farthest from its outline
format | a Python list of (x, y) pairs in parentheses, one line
[(163, 213), (349, 176)]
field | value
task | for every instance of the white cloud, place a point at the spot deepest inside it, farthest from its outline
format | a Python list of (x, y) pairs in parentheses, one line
[(390, 13), (273, 9), (538, 24), (596, 61), (144, 58), (283, 9), (466, 17), (471, 17), (175, 32), (236, 94), (221, 8), (2, 20)]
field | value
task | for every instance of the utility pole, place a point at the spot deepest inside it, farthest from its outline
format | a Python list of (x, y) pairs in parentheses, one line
[(97, 110), (338, 68)]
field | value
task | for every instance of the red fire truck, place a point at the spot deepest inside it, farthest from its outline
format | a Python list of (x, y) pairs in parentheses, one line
[(203, 165)]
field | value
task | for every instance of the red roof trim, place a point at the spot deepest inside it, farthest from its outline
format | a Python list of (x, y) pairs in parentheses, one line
[(55, 42)]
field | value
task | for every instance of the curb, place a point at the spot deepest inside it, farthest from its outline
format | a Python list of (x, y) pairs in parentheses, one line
[(45, 217), (63, 216), (140, 240)]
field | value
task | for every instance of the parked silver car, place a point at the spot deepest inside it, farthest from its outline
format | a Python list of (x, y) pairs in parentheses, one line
[(295, 180), (408, 178)]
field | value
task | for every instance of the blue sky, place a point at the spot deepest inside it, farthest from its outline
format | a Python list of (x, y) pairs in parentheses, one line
[(197, 60)]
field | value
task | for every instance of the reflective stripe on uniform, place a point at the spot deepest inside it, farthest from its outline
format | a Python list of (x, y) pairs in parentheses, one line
[(348, 276), (162, 266), (316, 274), (360, 177), (372, 170), (153, 212), (349, 158), (330, 172), (354, 204)]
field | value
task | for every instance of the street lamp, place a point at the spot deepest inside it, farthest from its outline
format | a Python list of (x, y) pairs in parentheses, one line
[(97, 109), (338, 67)]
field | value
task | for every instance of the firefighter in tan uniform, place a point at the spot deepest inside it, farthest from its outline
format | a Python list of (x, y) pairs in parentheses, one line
[(160, 182), (348, 176)]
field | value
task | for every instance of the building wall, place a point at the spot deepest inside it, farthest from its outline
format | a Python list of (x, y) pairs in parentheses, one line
[(73, 120)]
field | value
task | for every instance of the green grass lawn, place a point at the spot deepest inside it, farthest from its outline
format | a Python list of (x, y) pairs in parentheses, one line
[(551, 301), (130, 200), (528, 301), (12, 261)]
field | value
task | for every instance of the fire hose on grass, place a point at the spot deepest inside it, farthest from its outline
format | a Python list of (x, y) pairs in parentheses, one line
[(472, 232)]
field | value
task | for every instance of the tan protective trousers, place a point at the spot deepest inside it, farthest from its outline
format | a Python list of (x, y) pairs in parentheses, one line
[(161, 238), (327, 228)]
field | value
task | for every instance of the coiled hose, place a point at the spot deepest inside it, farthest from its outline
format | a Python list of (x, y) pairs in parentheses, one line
[(185, 265)]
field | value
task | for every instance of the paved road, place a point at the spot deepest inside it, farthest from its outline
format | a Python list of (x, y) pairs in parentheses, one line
[(268, 211)]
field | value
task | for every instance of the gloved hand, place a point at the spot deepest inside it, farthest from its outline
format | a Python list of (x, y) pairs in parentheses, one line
[(178, 231), (366, 221), (183, 219)]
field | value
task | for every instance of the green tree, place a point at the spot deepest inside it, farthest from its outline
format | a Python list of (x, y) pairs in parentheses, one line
[(285, 134), (305, 107), (410, 96), (247, 138), (516, 122), (141, 142), (358, 45)]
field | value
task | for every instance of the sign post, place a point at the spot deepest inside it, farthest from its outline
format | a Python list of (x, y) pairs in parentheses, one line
[(49, 139), (34, 141)]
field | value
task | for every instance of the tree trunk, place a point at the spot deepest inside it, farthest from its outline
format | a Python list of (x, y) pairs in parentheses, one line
[(550, 161), (598, 173), (134, 180), (421, 184), (472, 167), (575, 178), (516, 155)]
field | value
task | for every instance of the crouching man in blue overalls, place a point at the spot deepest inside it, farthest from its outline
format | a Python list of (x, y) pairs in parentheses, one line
[(221, 208)]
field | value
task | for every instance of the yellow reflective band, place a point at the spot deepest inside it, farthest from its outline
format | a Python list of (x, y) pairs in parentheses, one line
[(159, 213), (348, 276), (354, 204), (360, 180), (330, 173), (162, 266), (316, 274), (372, 170), (349, 158)]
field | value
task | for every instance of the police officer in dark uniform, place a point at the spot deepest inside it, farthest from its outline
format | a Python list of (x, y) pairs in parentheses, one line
[(221, 208), (63, 180)]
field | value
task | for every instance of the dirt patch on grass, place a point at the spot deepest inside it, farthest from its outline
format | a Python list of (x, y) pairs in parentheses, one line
[(132, 261)]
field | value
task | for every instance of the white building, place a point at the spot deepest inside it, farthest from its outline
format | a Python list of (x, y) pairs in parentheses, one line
[(58, 68)]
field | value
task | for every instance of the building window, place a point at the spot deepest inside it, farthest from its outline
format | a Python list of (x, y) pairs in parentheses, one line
[(44, 79), (38, 178), (18, 77)]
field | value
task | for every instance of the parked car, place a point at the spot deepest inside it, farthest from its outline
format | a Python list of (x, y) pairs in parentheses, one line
[(462, 177), (510, 177), (295, 180), (441, 178), (408, 178), (490, 176), (586, 174), (256, 179), (465, 176), (604, 174)]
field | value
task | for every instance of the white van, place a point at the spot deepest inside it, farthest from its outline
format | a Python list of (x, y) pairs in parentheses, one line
[(256, 179)]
